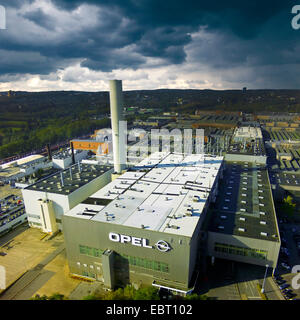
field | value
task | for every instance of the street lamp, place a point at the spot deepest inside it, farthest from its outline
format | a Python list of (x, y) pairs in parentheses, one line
[(263, 286)]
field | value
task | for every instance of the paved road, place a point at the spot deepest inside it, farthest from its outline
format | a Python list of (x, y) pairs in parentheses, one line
[(12, 234), (32, 280)]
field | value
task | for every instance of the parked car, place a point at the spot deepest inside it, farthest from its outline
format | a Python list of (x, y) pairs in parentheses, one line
[(278, 277), (286, 266), (287, 291), (280, 282), (290, 295), (284, 286)]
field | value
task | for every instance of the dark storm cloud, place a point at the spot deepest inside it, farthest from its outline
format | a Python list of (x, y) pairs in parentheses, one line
[(40, 18), (244, 18), (125, 33)]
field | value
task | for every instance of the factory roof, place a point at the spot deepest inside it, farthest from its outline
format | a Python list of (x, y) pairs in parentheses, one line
[(166, 192), (244, 206), (285, 179), (71, 179), (25, 160), (248, 132), (65, 154)]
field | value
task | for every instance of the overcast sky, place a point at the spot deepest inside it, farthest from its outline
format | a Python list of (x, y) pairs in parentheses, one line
[(149, 44)]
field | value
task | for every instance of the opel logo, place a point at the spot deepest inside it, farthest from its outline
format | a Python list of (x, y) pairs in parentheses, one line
[(162, 246)]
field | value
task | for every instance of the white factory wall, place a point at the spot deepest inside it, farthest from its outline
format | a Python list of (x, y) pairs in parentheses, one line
[(32, 205), (61, 203), (33, 168), (67, 162)]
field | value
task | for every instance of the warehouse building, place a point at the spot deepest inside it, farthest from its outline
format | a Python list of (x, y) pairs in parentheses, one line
[(144, 226), (48, 199), (243, 225)]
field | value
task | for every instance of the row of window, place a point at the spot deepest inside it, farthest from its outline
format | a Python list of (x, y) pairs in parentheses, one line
[(88, 274), (247, 252), (134, 261), (93, 252), (146, 263)]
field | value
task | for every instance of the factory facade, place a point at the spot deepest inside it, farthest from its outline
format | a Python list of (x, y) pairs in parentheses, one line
[(154, 224), (144, 227)]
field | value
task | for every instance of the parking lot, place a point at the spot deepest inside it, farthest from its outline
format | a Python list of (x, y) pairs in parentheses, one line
[(288, 258), (6, 190), (25, 251)]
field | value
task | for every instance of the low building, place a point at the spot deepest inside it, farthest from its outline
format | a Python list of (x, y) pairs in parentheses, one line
[(63, 159), (247, 133), (48, 199)]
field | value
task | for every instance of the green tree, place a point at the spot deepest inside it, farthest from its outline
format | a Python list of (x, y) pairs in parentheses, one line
[(147, 293), (54, 296), (288, 206), (195, 296)]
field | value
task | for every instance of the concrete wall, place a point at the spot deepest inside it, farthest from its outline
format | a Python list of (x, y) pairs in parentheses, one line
[(271, 247), (96, 235)]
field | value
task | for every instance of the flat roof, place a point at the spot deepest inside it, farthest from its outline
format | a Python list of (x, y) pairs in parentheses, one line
[(166, 192), (73, 179), (285, 179), (244, 206), (24, 160)]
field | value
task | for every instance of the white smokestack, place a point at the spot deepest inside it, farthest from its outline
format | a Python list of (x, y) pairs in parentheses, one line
[(116, 112)]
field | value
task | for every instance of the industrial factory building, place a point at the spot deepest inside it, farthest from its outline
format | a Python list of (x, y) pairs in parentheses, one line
[(64, 159), (48, 199), (144, 226), (156, 222), (242, 226)]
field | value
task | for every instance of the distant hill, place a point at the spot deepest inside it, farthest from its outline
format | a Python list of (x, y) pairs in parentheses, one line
[(71, 103), (29, 120)]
